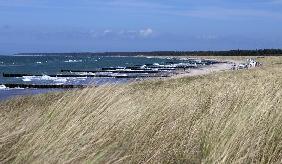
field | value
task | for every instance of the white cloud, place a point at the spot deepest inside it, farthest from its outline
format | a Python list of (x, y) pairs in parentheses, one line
[(107, 31), (146, 32)]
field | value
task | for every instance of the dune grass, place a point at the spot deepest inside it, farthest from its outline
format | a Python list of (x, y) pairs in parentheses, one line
[(229, 117)]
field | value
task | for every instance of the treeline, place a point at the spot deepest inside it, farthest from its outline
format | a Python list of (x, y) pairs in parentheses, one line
[(260, 52)]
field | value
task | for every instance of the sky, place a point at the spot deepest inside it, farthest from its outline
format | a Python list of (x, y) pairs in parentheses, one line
[(138, 25)]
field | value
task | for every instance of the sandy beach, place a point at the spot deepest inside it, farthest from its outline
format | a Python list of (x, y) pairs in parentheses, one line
[(225, 66)]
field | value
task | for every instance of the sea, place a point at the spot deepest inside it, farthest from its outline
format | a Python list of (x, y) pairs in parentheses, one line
[(53, 64)]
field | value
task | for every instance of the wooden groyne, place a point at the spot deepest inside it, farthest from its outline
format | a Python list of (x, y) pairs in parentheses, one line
[(43, 86), (15, 75)]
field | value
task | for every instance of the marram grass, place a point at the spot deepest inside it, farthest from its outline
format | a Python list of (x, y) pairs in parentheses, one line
[(230, 117)]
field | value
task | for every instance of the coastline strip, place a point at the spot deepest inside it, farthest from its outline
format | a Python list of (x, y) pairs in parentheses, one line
[(43, 86)]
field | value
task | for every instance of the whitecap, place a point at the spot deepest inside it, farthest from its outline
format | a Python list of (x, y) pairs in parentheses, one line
[(19, 88), (86, 73), (45, 78), (72, 61), (59, 83), (28, 78), (3, 87), (143, 66), (55, 79), (62, 80)]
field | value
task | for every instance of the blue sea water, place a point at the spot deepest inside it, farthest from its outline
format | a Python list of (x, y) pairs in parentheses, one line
[(44, 65)]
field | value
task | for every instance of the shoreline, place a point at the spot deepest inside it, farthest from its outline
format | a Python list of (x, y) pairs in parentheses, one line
[(208, 70), (227, 65)]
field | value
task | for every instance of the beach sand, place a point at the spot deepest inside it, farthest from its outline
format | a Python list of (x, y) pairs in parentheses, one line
[(225, 66)]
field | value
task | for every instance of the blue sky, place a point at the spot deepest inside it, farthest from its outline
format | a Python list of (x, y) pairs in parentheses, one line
[(138, 25)]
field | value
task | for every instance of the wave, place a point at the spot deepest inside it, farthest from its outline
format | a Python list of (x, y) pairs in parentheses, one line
[(73, 61), (3, 87), (44, 78), (56, 80)]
